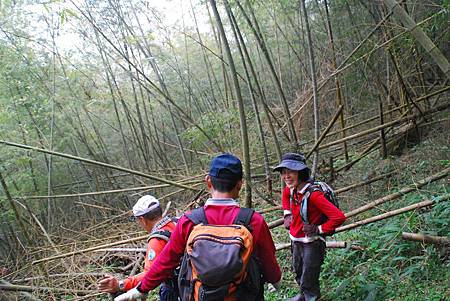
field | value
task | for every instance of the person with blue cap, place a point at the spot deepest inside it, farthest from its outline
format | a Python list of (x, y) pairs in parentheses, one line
[(224, 182), (308, 223)]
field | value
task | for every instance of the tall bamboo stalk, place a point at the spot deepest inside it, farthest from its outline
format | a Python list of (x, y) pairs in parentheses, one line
[(240, 100)]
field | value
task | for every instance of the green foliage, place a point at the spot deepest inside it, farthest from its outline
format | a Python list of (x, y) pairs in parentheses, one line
[(220, 126)]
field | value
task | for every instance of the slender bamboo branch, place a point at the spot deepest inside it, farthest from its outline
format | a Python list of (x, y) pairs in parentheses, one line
[(120, 242), (401, 192), (327, 129), (392, 213), (26, 288)]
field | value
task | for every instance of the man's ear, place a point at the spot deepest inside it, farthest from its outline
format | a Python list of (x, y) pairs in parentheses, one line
[(239, 184), (208, 181)]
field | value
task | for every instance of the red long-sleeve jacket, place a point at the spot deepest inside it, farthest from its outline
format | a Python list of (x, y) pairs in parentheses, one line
[(154, 248), (318, 206), (218, 212)]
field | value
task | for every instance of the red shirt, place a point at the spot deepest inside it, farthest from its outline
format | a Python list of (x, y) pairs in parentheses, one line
[(318, 206), (154, 248), (218, 212)]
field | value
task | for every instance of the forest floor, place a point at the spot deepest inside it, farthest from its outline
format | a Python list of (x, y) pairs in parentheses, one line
[(386, 267)]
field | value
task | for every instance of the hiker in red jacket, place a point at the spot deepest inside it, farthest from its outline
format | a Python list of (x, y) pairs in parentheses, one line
[(148, 213), (224, 182), (307, 238)]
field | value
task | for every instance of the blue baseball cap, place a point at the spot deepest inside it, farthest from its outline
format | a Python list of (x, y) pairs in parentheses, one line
[(226, 166), (292, 161)]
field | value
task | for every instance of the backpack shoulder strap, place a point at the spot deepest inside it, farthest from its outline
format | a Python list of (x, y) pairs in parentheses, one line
[(244, 217), (197, 216), (161, 234)]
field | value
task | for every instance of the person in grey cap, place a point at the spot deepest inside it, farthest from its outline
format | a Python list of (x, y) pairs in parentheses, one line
[(307, 222), (148, 214)]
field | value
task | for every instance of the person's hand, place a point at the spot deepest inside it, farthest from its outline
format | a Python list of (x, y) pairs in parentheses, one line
[(108, 284), (287, 221), (310, 229), (132, 294)]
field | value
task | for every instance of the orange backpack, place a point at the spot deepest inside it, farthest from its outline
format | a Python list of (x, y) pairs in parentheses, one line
[(218, 262)]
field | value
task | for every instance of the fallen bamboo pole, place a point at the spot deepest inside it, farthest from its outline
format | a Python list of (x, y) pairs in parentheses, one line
[(428, 239), (401, 192), (356, 185), (325, 132), (141, 250), (386, 125), (63, 275), (26, 288), (93, 162), (385, 113), (120, 242), (392, 213), (271, 209)]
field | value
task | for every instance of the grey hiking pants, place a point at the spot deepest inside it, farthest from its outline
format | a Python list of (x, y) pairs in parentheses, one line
[(307, 258)]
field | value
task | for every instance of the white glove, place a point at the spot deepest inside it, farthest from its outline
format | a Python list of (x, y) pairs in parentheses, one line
[(132, 294), (272, 287)]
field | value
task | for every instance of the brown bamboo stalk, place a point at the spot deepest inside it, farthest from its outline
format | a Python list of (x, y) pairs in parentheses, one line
[(428, 239), (42, 150), (401, 192), (392, 213)]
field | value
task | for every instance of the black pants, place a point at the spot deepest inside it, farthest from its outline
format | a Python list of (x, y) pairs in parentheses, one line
[(307, 258)]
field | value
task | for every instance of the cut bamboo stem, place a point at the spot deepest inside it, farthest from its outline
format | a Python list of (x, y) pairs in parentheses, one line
[(427, 239), (329, 244)]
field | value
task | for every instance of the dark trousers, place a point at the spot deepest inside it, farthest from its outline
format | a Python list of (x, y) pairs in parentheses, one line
[(307, 258), (167, 292)]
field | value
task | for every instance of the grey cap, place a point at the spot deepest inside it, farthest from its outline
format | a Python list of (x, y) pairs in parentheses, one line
[(292, 161)]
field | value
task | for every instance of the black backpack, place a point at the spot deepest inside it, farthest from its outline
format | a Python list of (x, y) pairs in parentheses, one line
[(173, 294), (328, 192)]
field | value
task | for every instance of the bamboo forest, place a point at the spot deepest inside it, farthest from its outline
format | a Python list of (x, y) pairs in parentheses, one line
[(329, 119)]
